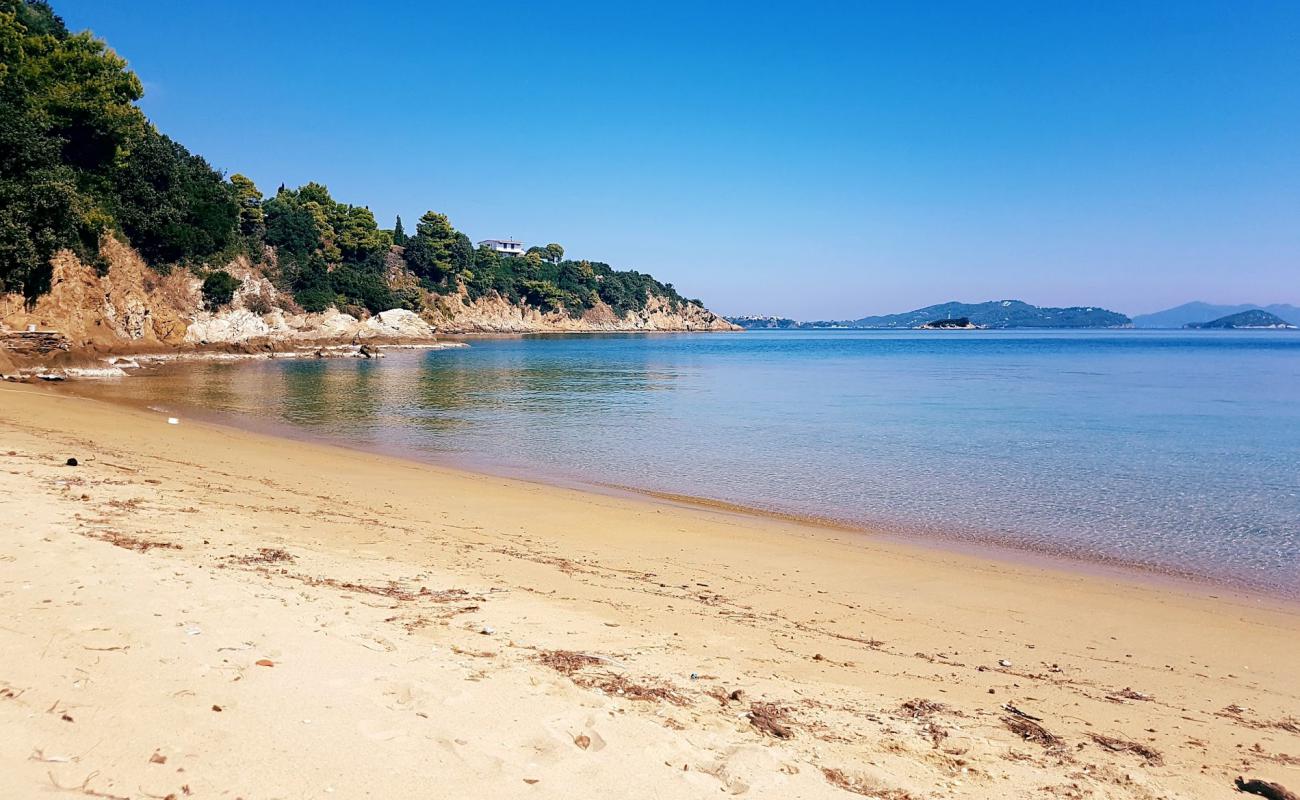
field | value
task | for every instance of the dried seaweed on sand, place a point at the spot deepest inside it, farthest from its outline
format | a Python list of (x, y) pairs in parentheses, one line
[(1031, 731), (770, 719), (1117, 745)]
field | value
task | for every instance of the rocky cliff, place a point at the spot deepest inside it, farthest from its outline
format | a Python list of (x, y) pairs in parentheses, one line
[(131, 308), (493, 314)]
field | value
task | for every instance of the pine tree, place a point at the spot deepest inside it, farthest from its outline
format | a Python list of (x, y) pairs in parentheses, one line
[(399, 235)]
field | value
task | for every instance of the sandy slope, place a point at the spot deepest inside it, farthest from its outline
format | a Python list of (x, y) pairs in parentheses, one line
[(117, 658)]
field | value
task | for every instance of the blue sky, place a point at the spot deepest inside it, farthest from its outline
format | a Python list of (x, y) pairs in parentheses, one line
[(814, 160)]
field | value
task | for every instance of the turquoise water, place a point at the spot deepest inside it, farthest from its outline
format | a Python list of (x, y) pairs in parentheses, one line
[(1175, 450)]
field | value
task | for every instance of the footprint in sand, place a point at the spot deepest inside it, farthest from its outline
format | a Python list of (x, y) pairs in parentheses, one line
[(377, 731)]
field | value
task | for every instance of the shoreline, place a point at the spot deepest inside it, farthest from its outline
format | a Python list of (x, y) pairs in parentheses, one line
[(230, 602), (972, 543)]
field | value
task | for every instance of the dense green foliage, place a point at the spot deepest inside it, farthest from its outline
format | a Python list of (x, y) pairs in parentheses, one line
[(444, 260), (78, 159), (219, 289), (329, 253)]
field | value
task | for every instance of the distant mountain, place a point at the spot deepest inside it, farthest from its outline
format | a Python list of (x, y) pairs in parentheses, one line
[(993, 314), (1181, 316), (1255, 318)]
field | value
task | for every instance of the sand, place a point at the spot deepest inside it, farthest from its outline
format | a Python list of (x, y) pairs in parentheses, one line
[(199, 611)]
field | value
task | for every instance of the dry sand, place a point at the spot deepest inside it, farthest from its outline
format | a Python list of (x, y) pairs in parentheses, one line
[(198, 611)]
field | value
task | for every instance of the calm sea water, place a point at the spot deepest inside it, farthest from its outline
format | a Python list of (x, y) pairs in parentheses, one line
[(1178, 450)]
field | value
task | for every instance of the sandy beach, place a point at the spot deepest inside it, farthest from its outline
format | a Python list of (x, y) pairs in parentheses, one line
[(197, 611)]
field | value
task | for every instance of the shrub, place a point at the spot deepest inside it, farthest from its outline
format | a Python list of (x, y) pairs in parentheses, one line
[(258, 304), (219, 289)]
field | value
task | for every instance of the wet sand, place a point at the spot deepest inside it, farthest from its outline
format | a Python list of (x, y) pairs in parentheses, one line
[(195, 607)]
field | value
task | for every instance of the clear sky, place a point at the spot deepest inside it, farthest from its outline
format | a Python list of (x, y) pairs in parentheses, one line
[(813, 160)]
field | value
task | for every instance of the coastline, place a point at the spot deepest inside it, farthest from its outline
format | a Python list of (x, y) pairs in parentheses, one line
[(159, 532), (972, 542)]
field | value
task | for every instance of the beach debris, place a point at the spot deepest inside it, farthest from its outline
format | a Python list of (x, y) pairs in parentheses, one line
[(157, 758), (71, 462), (460, 651), (1127, 693), (264, 555), (769, 718), (572, 664), (393, 590), (216, 708), (739, 694), (1002, 662), (861, 785), (695, 676), (264, 662), (84, 788), (582, 740), (487, 630), (1117, 745), (39, 755), (1024, 715), (129, 542), (1273, 791), (920, 708), (1029, 730), (620, 686), (173, 421), (566, 662)]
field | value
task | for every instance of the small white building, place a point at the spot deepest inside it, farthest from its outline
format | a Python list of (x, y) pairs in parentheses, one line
[(506, 247)]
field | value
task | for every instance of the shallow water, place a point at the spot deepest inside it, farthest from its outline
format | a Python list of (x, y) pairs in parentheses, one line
[(1176, 450)]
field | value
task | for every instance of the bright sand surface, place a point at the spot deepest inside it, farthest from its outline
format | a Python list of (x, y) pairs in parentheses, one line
[(199, 611)]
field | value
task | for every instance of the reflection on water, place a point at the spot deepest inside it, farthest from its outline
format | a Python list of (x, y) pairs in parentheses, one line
[(1173, 449)]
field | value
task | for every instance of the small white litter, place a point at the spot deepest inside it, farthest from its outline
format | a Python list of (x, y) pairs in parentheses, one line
[(173, 421)]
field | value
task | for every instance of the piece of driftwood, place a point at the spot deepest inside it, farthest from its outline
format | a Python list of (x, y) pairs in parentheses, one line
[(1273, 791)]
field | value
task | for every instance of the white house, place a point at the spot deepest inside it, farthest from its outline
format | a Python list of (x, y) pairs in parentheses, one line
[(506, 247)]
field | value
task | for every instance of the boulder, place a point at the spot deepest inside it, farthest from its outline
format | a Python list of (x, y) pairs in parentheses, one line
[(396, 323)]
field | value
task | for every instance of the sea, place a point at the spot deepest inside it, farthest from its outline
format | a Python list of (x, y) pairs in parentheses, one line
[(1173, 452)]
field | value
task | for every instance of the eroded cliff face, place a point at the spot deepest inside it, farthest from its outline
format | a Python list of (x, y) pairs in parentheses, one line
[(129, 307), (134, 309), (456, 313)]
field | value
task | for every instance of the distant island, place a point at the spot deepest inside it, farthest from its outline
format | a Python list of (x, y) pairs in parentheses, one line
[(994, 314), (1197, 311), (1245, 320), (958, 323)]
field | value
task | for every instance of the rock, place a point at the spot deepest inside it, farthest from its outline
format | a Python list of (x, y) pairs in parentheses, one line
[(33, 343), (227, 327), (396, 323)]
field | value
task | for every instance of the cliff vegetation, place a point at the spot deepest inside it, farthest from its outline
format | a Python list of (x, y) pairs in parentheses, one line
[(83, 171)]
